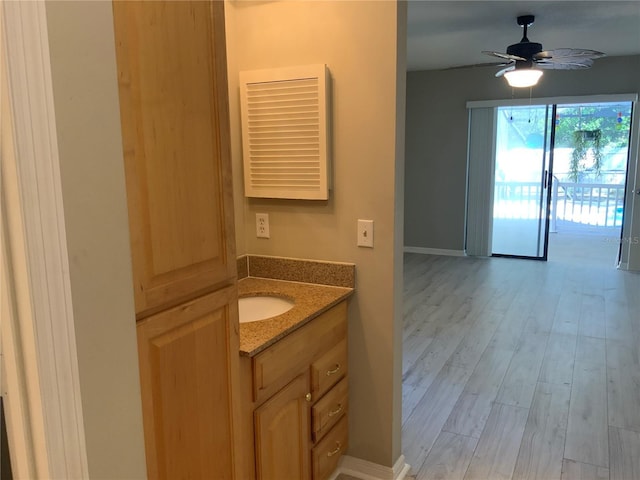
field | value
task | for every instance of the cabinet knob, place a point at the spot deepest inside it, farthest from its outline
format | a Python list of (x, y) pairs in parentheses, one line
[(308, 397)]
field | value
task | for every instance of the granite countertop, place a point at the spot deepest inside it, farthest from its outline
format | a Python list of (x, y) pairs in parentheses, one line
[(310, 301)]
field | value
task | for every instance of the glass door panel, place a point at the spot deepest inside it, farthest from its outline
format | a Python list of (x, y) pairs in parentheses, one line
[(521, 177), (591, 155)]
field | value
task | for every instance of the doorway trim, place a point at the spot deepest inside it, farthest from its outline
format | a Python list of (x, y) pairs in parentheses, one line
[(630, 257), (45, 322)]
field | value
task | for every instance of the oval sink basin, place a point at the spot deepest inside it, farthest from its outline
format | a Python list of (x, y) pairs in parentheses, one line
[(261, 307)]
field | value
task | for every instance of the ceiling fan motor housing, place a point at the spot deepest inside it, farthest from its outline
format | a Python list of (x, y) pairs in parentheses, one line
[(524, 49), (526, 20)]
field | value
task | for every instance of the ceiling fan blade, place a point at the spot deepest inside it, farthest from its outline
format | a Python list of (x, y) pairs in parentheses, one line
[(505, 70), (571, 54), (476, 65), (504, 55), (566, 64)]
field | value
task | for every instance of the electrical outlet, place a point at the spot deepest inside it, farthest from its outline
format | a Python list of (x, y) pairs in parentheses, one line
[(262, 225), (365, 233)]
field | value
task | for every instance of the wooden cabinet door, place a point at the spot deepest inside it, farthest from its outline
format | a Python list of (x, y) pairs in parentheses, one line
[(175, 128), (282, 434), (189, 376)]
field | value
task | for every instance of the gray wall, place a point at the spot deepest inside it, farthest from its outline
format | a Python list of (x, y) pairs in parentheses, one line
[(436, 136)]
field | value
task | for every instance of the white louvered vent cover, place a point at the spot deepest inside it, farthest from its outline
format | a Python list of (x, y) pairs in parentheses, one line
[(285, 134)]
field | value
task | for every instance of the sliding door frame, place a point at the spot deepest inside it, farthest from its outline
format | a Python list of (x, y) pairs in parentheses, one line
[(630, 249)]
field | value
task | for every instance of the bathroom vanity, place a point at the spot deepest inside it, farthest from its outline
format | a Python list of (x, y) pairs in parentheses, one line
[(294, 378)]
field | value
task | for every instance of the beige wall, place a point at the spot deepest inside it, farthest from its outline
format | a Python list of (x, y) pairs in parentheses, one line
[(92, 170), (358, 42)]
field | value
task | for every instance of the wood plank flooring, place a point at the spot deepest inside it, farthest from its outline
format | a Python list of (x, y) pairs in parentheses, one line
[(517, 369)]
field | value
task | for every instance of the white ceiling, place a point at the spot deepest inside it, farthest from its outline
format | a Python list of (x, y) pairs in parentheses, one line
[(445, 34)]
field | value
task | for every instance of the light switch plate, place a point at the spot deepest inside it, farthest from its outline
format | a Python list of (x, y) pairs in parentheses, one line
[(365, 233)]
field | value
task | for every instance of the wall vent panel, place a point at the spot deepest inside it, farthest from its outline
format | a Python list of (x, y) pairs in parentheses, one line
[(285, 132)]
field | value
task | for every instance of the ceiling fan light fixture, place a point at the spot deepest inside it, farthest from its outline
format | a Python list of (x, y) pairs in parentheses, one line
[(521, 78)]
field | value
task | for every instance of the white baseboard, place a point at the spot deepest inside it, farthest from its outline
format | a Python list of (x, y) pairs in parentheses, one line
[(365, 470), (435, 251)]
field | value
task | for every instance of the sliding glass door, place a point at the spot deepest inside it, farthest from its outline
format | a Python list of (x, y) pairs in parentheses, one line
[(521, 196), (517, 150)]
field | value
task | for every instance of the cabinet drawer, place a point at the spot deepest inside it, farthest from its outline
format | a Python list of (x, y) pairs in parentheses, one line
[(326, 454), (278, 364), (329, 409), (329, 368)]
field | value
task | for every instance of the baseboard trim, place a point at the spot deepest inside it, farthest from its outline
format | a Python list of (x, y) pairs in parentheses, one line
[(435, 251), (366, 470)]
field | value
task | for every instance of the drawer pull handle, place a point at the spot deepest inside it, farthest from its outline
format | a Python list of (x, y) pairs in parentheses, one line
[(333, 413), (335, 370), (333, 452)]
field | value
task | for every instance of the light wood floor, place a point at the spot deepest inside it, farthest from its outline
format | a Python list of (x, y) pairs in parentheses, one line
[(517, 369)]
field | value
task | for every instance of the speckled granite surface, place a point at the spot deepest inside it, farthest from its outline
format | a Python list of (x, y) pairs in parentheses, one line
[(243, 266), (300, 270), (310, 301)]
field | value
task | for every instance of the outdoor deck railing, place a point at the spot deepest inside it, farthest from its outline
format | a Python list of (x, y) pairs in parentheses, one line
[(596, 204)]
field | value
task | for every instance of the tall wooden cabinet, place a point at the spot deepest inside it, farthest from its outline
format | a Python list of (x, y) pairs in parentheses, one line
[(175, 130)]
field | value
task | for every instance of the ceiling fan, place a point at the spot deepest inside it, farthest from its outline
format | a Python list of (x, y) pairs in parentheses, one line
[(525, 59)]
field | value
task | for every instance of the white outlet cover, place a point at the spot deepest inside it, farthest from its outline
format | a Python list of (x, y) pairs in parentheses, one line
[(262, 225)]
